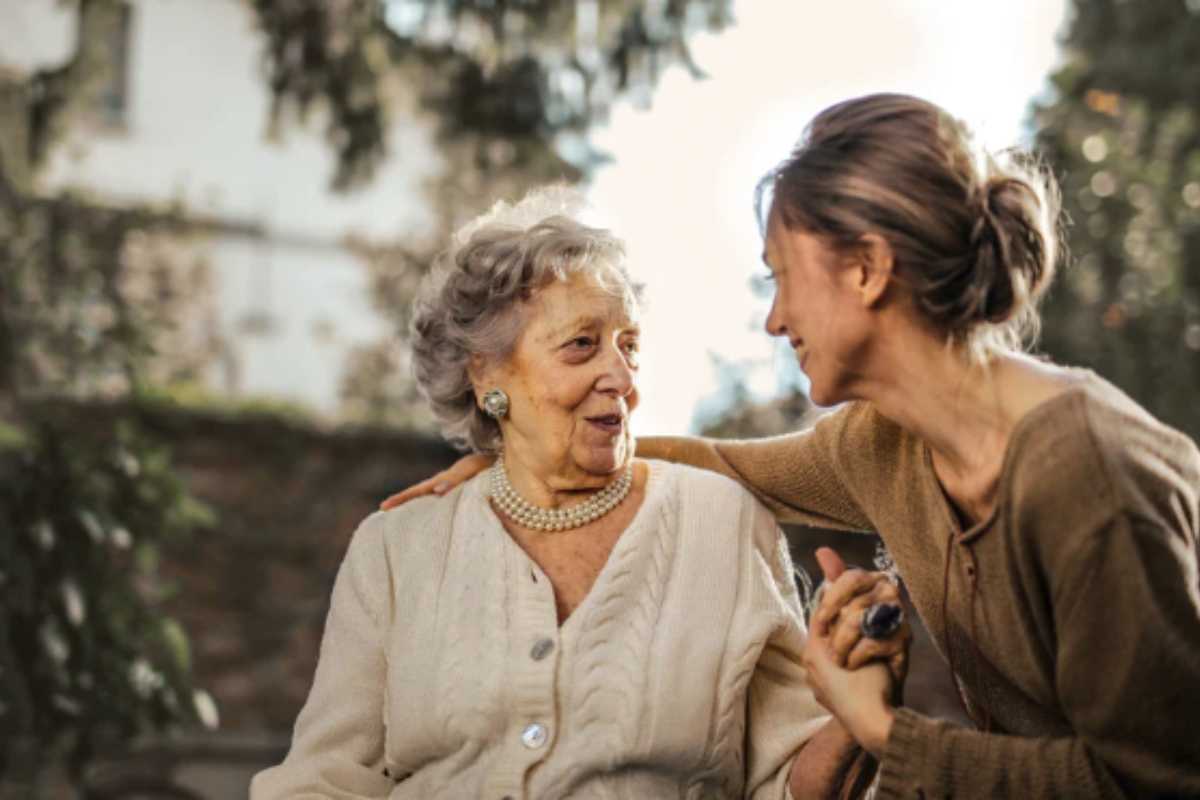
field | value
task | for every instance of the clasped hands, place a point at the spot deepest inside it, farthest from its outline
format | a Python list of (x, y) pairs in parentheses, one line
[(858, 679)]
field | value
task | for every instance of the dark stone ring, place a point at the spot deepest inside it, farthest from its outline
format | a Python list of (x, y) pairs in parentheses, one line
[(882, 620)]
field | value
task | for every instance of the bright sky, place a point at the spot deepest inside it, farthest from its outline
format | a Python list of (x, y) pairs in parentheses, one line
[(680, 187)]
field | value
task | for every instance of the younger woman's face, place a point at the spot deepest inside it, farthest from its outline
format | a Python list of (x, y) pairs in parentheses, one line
[(817, 310), (572, 384)]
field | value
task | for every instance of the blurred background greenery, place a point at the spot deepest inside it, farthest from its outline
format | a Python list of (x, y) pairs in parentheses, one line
[(164, 544)]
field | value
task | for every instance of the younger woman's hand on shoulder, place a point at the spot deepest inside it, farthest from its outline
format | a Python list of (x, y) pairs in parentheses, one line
[(457, 473)]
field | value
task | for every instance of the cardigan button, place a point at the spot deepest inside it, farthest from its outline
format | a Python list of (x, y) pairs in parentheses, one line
[(541, 649), (534, 735)]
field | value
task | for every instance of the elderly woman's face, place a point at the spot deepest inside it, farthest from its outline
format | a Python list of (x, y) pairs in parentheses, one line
[(572, 383)]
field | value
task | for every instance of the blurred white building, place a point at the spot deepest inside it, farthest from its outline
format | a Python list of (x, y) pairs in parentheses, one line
[(185, 121)]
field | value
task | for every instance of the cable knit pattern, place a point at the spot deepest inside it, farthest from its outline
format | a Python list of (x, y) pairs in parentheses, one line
[(617, 647), (731, 721), (730, 717), (444, 661), (645, 614), (472, 636)]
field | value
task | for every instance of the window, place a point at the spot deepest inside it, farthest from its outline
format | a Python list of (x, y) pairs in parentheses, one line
[(112, 97)]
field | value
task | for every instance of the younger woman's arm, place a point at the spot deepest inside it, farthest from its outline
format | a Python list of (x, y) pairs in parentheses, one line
[(799, 476)]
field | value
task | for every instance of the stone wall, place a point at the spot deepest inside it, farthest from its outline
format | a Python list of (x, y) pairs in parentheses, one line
[(254, 590)]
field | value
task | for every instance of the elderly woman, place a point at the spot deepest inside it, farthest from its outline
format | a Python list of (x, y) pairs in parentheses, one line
[(574, 622)]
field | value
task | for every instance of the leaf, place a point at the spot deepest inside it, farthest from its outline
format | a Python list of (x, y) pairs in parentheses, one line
[(176, 640)]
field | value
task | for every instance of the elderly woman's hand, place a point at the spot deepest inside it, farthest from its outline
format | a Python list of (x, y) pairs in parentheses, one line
[(844, 598), (457, 473), (859, 698)]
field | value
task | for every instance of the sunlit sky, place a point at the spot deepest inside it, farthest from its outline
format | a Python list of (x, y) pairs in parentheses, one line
[(680, 185)]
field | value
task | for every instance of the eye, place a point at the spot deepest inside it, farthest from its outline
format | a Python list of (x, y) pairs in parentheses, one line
[(631, 348), (579, 347)]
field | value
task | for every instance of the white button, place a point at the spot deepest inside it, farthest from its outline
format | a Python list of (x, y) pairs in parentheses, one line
[(534, 736)]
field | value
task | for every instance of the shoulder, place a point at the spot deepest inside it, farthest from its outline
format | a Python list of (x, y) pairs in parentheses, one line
[(853, 439), (685, 480), (1092, 455), (862, 423), (854, 426), (872, 446), (712, 495), (420, 524), (1093, 437), (415, 514), (1131, 444), (874, 458), (437, 509), (716, 503)]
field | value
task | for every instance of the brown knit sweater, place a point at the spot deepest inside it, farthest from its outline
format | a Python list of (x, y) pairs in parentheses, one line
[(1071, 616)]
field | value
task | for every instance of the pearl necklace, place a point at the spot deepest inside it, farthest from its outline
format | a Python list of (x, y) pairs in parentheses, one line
[(521, 510)]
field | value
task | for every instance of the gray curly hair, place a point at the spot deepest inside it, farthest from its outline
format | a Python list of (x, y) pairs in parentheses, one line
[(471, 302)]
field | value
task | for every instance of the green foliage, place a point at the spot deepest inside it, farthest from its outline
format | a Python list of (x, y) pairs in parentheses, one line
[(191, 397), (64, 324), (87, 659), (1123, 133), (508, 73), (94, 300)]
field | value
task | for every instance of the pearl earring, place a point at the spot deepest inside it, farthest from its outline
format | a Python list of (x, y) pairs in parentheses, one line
[(495, 404)]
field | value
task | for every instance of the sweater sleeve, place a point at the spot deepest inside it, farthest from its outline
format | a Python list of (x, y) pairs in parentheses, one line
[(338, 743), (797, 475), (782, 713), (1127, 619)]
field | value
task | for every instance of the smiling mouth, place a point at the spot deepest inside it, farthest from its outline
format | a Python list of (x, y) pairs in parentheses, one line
[(609, 423), (800, 353)]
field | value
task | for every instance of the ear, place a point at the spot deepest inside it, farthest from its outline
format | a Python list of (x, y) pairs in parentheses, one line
[(874, 265), (480, 375)]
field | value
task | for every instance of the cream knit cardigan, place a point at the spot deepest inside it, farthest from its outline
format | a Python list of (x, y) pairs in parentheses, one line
[(443, 672)]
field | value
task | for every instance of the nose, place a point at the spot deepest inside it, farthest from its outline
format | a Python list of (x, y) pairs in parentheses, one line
[(775, 325), (618, 377)]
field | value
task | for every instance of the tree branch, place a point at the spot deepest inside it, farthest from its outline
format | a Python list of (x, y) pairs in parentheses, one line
[(55, 94)]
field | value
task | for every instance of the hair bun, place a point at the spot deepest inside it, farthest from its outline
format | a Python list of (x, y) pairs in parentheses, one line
[(1010, 253)]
